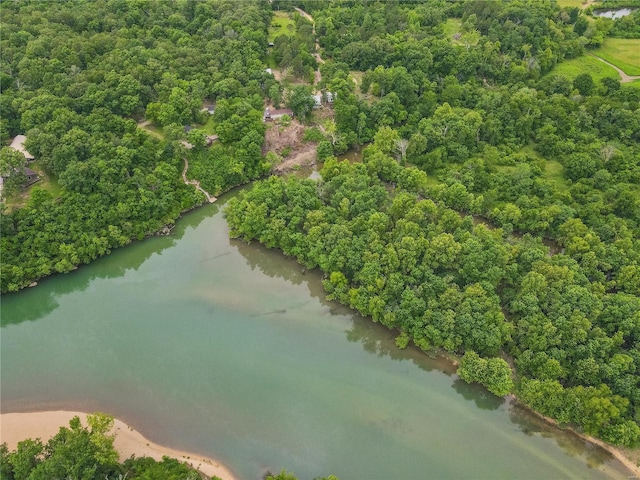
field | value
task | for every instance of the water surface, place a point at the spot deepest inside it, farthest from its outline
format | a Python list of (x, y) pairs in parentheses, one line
[(618, 13), (229, 350)]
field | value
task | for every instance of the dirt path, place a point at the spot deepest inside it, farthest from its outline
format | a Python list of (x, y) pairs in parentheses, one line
[(308, 17), (143, 125), (318, 76), (625, 78), (195, 183)]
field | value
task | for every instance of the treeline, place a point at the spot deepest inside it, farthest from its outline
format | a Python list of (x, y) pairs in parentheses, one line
[(85, 452), (75, 79)]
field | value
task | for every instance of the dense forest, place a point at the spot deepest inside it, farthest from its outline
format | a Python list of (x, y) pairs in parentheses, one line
[(85, 452), (495, 214), (76, 77)]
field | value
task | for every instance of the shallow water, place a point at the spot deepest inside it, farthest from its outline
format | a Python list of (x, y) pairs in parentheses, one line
[(229, 350)]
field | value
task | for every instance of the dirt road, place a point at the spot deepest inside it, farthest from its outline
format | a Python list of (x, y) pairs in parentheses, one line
[(624, 77), (316, 54)]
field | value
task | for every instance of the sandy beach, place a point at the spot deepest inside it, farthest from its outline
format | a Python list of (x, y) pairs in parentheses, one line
[(15, 427)]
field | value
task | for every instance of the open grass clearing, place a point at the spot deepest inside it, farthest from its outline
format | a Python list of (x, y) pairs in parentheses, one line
[(209, 126), (575, 3), (281, 24), (624, 53), (574, 67), (46, 182), (554, 173), (453, 31), (553, 170)]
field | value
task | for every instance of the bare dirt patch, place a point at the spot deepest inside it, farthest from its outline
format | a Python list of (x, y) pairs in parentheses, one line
[(287, 142), (306, 156)]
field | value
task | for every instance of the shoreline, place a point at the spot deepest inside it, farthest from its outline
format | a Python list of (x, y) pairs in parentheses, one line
[(616, 452), (15, 427)]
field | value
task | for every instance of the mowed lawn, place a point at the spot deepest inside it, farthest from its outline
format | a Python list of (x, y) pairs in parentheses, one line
[(281, 24), (624, 53)]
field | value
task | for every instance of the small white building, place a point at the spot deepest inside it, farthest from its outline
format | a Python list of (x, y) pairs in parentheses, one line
[(18, 144), (270, 115)]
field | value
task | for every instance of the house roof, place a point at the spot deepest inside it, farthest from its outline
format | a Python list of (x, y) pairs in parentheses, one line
[(283, 111), (18, 144)]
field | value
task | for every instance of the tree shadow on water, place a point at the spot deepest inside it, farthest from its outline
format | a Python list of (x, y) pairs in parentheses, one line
[(572, 445), (482, 397), (34, 303), (379, 340)]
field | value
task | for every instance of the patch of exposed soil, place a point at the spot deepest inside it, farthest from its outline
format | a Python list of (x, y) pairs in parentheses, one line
[(287, 143), (305, 156)]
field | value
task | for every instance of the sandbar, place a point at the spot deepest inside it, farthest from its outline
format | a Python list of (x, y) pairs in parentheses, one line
[(15, 427)]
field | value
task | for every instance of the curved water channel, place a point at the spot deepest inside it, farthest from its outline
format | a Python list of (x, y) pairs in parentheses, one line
[(229, 350)]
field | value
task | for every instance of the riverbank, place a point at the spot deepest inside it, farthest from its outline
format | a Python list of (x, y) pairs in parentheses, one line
[(15, 427), (628, 458)]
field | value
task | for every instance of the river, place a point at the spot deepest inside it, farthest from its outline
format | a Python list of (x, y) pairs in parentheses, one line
[(229, 350)]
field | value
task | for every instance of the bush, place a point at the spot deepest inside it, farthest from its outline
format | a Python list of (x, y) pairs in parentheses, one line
[(493, 373)]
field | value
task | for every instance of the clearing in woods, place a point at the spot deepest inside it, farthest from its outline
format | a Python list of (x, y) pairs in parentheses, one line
[(281, 24)]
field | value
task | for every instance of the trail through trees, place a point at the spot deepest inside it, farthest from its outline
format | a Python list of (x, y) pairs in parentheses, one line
[(195, 183)]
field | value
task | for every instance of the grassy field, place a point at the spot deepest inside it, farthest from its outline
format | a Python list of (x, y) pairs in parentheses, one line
[(553, 169), (573, 3), (46, 182), (553, 173), (281, 24), (453, 26), (574, 67), (209, 126), (154, 130), (623, 53)]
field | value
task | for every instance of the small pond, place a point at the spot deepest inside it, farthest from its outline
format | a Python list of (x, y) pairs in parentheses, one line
[(613, 14)]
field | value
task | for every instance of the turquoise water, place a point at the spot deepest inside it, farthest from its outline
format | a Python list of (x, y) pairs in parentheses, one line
[(229, 350)]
